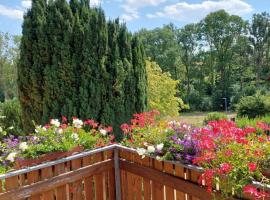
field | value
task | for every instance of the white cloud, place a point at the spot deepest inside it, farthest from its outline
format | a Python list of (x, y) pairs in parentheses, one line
[(131, 7), (11, 13), (191, 12), (26, 3), (130, 16), (95, 2)]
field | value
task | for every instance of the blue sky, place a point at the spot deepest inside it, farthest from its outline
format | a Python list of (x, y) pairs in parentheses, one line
[(143, 13)]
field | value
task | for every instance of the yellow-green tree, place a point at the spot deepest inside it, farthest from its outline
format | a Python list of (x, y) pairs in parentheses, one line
[(162, 91)]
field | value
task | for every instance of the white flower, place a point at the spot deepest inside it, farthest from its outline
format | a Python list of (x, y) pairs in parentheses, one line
[(75, 136), (23, 146), (151, 149), (11, 156), (141, 151), (44, 128), (59, 131), (103, 132), (160, 146), (77, 123), (55, 122), (159, 158), (1, 129), (11, 128)]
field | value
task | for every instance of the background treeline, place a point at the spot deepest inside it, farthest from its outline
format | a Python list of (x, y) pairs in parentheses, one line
[(74, 62), (220, 57)]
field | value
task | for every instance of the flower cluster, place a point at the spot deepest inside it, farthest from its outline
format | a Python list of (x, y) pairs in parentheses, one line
[(166, 140), (233, 157), (55, 136)]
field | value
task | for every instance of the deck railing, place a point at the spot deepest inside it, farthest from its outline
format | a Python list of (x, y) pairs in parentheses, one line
[(112, 172)]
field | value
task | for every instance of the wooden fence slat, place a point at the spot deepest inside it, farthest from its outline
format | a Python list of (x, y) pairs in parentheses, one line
[(76, 187), (169, 192), (47, 173), (12, 183), (194, 177), (88, 181), (146, 182), (99, 190), (111, 184), (158, 188), (1, 186), (138, 179), (33, 177), (180, 172), (61, 192)]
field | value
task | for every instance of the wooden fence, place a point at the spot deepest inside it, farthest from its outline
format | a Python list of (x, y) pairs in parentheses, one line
[(109, 173)]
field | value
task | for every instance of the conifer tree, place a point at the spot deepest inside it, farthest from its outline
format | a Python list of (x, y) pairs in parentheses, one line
[(75, 63), (32, 60)]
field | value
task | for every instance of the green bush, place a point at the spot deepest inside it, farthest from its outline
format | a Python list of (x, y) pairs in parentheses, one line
[(253, 106), (214, 116), (243, 122), (11, 117)]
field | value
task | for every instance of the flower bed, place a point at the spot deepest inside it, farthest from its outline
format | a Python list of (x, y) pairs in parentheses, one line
[(53, 141), (232, 158)]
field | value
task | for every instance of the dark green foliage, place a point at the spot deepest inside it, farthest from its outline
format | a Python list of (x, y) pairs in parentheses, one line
[(253, 106), (91, 68), (214, 116), (11, 117)]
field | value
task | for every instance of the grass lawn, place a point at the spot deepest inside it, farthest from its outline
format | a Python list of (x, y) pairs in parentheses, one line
[(196, 118)]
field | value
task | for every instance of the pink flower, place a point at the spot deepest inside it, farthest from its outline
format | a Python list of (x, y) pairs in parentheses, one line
[(252, 167), (250, 190), (125, 128), (64, 119), (263, 126), (228, 153), (226, 167), (248, 130)]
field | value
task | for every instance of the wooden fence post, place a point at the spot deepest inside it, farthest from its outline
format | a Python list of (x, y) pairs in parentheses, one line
[(117, 174)]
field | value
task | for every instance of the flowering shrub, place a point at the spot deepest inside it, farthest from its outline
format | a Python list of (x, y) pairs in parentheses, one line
[(233, 158), (54, 137), (162, 139)]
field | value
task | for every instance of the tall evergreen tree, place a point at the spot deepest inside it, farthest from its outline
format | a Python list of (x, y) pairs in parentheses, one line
[(91, 69), (32, 61)]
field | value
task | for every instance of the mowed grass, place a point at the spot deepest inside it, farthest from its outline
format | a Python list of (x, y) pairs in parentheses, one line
[(196, 118)]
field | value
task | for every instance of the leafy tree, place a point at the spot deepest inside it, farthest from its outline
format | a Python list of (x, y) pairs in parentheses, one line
[(162, 46), (260, 40), (9, 55), (187, 38), (220, 30), (162, 90)]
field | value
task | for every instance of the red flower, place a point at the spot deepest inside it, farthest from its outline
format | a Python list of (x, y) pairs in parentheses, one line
[(109, 129), (64, 119), (250, 189), (252, 167), (91, 123), (263, 126), (229, 153), (248, 130), (125, 128), (226, 167)]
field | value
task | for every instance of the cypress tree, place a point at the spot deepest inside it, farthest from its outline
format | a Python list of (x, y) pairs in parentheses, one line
[(91, 69), (31, 65), (60, 81)]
